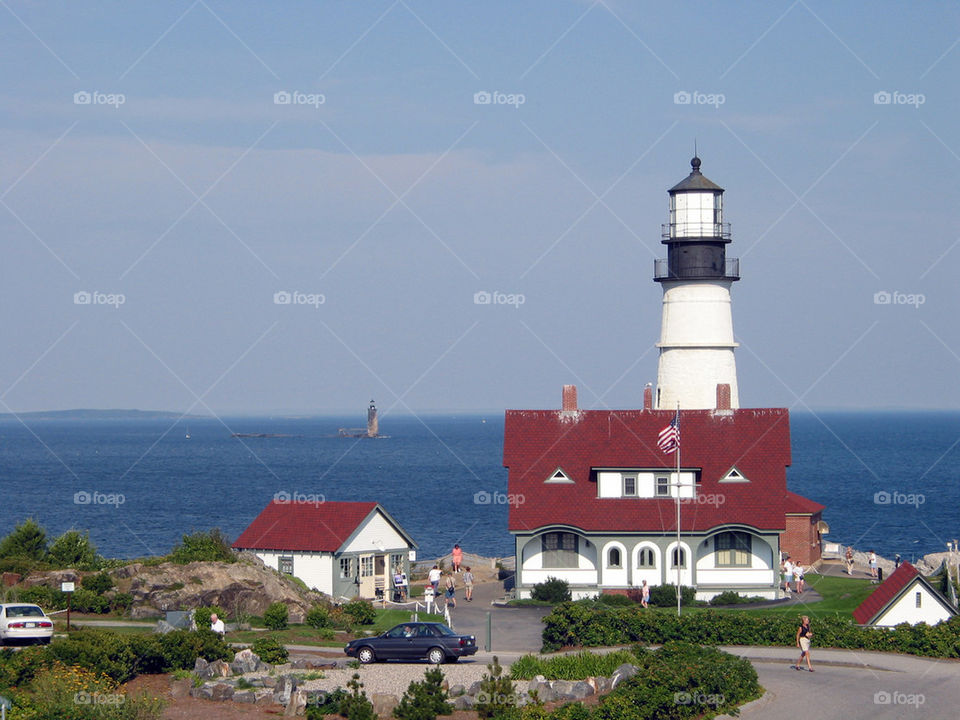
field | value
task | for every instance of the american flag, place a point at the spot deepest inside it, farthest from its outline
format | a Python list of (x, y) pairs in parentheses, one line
[(669, 438)]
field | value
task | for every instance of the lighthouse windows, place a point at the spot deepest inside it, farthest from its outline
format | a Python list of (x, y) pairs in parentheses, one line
[(695, 214)]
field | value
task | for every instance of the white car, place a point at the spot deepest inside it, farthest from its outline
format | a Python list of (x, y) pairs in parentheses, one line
[(24, 622)]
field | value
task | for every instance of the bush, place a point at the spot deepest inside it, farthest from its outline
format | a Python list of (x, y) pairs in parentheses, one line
[(201, 615), (592, 624), (666, 595), (74, 549), (356, 706), (551, 590), (318, 617), (27, 540), (270, 650), (361, 612), (121, 602), (424, 700), (212, 546), (99, 583), (570, 667), (276, 616), (327, 704), (732, 597), (496, 692), (87, 601), (45, 597)]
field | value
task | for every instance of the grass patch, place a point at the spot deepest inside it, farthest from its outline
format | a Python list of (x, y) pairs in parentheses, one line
[(840, 597), (570, 667)]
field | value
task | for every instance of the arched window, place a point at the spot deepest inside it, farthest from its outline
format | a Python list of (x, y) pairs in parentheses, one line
[(683, 558), (645, 558), (733, 549), (613, 558)]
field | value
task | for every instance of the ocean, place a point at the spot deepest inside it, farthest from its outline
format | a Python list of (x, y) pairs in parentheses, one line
[(890, 481)]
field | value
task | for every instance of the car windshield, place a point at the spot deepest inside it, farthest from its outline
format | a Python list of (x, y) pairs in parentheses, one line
[(24, 611)]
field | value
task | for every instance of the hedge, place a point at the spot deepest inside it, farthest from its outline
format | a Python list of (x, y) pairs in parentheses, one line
[(589, 624)]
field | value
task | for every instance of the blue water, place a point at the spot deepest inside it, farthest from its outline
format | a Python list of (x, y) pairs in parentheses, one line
[(426, 475)]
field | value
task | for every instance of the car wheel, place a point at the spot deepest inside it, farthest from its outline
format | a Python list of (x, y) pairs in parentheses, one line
[(436, 655), (365, 655)]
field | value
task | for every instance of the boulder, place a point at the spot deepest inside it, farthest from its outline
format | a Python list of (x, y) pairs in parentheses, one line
[(202, 669), (219, 669), (246, 696), (163, 627), (474, 688), (543, 689), (246, 661), (222, 692), (457, 691), (570, 690), (383, 704), (180, 688), (285, 686), (297, 705), (464, 702), (263, 697), (622, 673)]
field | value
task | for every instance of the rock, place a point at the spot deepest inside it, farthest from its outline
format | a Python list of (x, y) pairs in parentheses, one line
[(464, 702), (310, 664), (163, 627), (263, 697), (245, 661), (268, 682), (202, 669), (543, 689), (286, 684), (297, 705), (383, 704), (219, 668), (457, 691), (180, 688), (205, 691), (622, 673), (474, 688), (222, 692), (245, 696), (569, 690)]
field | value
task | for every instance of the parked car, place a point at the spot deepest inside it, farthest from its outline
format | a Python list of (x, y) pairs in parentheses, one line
[(24, 622), (413, 641)]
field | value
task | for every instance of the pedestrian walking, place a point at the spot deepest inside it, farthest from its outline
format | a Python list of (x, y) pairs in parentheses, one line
[(645, 594), (849, 560), (803, 642), (450, 591), (787, 574), (798, 574), (873, 564), (468, 584), (434, 577), (457, 558)]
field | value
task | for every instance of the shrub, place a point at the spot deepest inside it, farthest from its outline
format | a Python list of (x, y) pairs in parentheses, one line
[(424, 700), (552, 590), (201, 615), (666, 595), (732, 597), (570, 667), (270, 650), (121, 602), (45, 597), (361, 612), (356, 706), (27, 540), (99, 583), (616, 600), (327, 704), (318, 617), (87, 601), (326, 633), (74, 549), (203, 546), (276, 616), (496, 692)]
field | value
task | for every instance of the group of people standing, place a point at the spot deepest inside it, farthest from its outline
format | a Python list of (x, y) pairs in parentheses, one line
[(436, 578), (792, 573)]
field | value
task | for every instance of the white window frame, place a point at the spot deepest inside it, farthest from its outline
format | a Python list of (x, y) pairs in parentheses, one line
[(285, 561), (366, 566), (346, 568), (673, 558), (653, 558), (612, 565), (624, 479), (658, 486), (560, 557), (735, 553)]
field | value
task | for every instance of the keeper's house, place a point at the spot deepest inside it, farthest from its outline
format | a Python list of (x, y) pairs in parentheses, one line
[(904, 597), (343, 549), (595, 500)]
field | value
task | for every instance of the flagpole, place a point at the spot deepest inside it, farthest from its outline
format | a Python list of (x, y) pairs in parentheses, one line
[(678, 551)]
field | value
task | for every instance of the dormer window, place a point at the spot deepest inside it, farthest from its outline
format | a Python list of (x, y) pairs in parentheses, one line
[(629, 485), (663, 486), (734, 475), (558, 476)]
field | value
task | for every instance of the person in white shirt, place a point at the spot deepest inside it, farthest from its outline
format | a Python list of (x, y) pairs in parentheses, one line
[(798, 574), (216, 624), (434, 576), (787, 574)]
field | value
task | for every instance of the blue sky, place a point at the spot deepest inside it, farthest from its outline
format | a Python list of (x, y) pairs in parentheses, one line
[(188, 189)]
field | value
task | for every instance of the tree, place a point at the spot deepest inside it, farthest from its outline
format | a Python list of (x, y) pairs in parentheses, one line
[(28, 540), (73, 549), (203, 546)]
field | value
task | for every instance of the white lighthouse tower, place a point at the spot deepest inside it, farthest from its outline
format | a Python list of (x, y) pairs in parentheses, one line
[(697, 369)]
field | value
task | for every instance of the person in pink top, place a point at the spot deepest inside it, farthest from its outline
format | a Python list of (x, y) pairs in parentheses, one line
[(457, 558)]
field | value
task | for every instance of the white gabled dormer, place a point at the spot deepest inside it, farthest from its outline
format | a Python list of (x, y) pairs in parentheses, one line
[(644, 483), (734, 476), (558, 476)]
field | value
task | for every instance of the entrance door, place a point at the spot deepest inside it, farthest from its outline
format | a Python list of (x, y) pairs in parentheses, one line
[(367, 587), (381, 581)]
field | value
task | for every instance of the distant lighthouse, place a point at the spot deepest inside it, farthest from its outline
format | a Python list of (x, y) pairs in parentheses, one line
[(697, 369), (373, 426)]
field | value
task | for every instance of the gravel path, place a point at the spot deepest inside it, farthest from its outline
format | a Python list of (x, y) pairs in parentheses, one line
[(393, 678)]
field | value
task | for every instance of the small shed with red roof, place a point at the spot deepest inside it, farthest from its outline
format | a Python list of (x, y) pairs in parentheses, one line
[(343, 549), (595, 500), (904, 597)]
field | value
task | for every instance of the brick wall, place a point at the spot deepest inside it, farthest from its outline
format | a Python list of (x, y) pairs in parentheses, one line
[(801, 541)]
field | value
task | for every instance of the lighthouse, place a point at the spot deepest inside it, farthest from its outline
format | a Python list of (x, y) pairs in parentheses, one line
[(697, 369)]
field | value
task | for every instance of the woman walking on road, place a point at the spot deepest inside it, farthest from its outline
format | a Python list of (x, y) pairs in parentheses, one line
[(468, 584), (450, 592), (803, 642)]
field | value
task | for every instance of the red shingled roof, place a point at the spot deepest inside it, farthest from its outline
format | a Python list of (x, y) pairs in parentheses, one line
[(888, 590), (799, 504), (309, 527), (756, 441)]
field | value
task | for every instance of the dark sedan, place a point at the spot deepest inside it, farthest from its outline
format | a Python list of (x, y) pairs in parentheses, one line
[(413, 641)]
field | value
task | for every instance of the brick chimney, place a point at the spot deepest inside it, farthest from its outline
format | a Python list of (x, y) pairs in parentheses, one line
[(723, 396), (569, 398), (648, 397)]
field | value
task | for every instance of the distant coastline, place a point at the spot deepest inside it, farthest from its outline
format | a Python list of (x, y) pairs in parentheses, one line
[(81, 414)]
